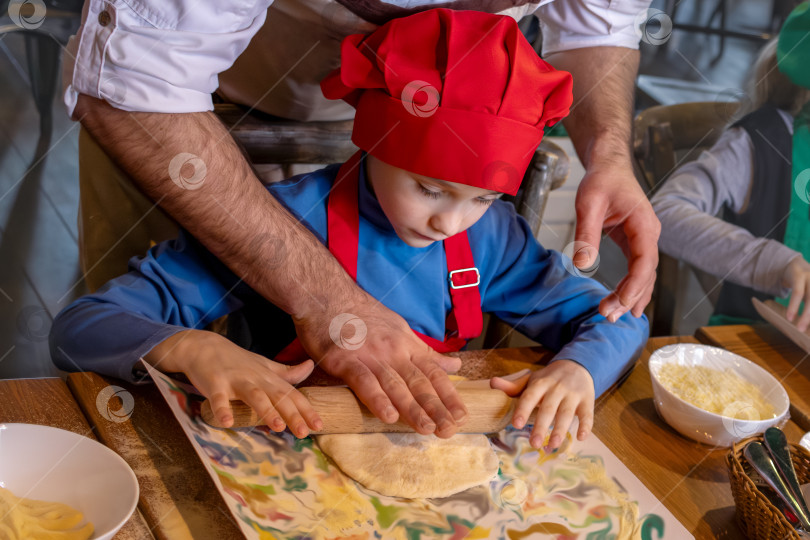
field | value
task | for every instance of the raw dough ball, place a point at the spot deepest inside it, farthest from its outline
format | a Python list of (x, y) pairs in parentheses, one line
[(411, 465)]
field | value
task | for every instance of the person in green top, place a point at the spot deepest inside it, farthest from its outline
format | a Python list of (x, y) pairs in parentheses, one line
[(741, 211)]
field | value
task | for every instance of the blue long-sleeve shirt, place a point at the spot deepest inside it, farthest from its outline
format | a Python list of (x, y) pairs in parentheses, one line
[(179, 285)]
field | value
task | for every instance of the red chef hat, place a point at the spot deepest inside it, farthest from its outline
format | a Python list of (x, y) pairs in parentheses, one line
[(455, 95)]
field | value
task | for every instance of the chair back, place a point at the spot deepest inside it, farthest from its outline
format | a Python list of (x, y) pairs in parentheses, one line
[(664, 138), (269, 139)]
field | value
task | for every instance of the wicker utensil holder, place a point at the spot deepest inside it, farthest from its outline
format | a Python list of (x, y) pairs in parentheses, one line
[(758, 518)]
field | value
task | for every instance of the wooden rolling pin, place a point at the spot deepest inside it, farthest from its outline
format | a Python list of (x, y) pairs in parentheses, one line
[(489, 411)]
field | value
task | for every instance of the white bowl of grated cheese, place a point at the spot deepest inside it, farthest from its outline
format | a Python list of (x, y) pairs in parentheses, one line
[(714, 396)]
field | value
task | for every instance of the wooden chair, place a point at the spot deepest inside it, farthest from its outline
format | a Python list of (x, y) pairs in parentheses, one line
[(664, 138), (267, 139)]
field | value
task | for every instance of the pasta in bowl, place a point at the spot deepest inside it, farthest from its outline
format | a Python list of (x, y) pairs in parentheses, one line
[(62, 485)]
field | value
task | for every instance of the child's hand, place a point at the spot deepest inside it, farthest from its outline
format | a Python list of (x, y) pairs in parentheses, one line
[(561, 390), (223, 371), (797, 277)]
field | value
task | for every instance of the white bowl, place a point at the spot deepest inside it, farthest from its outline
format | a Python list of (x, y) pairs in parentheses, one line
[(704, 426), (50, 464)]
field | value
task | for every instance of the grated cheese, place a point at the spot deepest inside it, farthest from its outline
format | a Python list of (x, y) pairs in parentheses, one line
[(720, 392)]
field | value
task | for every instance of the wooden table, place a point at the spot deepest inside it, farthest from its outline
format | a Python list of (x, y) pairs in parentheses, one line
[(768, 347), (48, 402), (179, 500), (690, 478)]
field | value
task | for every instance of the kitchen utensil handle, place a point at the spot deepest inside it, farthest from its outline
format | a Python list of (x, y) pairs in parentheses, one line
[(777, 446), (489, 411), (759, 459)]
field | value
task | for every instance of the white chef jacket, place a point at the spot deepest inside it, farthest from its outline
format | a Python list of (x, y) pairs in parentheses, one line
[(171, 55)]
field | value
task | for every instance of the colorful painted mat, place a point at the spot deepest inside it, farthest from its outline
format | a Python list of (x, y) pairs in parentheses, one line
[(280, 487)]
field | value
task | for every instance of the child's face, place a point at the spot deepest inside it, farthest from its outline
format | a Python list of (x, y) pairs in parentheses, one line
[(424, 210)]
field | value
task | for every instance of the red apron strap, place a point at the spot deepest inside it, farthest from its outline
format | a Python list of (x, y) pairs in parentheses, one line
[(450, 344), (343, 215), (464, 279), (293, 353)]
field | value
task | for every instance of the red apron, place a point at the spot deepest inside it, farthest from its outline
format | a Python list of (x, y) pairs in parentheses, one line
[(464, 322)]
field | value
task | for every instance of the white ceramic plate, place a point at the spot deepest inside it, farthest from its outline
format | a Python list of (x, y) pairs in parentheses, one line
[(704, 426), (50, 464), (775, 314)]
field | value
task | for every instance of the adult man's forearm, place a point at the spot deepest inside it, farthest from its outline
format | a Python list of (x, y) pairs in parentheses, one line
[(601, 117), (227, 209)]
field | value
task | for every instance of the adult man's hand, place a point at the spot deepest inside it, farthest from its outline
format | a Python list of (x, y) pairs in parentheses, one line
[(609, 198), (393, 372)]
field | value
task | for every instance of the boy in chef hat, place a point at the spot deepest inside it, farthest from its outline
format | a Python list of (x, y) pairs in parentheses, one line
[(451, 106)]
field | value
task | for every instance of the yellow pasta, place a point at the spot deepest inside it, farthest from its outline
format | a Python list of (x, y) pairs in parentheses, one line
[(27, 519)]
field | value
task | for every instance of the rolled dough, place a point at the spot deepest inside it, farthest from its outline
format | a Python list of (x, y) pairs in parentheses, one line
[(411, 465)]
